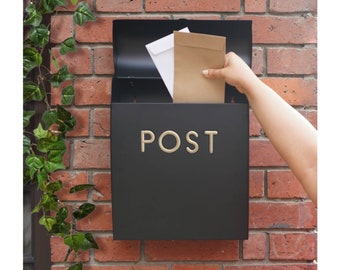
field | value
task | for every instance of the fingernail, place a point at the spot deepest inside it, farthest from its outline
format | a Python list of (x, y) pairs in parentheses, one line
[(205, 72)]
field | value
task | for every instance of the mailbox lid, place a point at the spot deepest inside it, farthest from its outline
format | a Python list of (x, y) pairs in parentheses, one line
[(158, 195), (130, 37), (133, 62)]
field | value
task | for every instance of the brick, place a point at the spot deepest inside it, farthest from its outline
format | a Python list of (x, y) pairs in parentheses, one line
[(254, 125), (292, 246), (101, 123), (92, 91), (59, 251), (57, 91), (311, 116), (91, 153), (128, 267), (66, 157), (82, 127), (284, 185), (103, 61), (200, 250), (192, 5), (279, 215), (295, 91), (70, 179), (292, 61), (99, 220), (255, 6), (111, 250), (263, 154), (78, 63), (102, 190), (61, 28), (257, 64), (282, 30), (278, 6), (197, 16), (95, 32), (119, 6), (195, 267), (256, 184), (273, 267), (255, 247)]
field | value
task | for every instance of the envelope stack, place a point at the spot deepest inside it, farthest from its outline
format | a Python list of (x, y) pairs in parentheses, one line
[(180, 58)]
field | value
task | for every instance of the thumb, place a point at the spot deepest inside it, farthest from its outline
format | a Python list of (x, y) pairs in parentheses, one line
[(213, 73)]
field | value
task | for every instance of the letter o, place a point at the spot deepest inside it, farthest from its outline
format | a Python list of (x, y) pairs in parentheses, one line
[(169, 150)]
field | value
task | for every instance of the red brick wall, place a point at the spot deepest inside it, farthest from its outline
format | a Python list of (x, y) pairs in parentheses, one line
[(282, 219)]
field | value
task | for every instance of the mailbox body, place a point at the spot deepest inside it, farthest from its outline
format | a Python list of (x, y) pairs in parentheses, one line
[(179, 171)]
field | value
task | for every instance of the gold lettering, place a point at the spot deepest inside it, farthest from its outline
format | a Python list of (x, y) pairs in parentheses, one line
[(144, 140), (172, 133), (211, 134), (192, 142)]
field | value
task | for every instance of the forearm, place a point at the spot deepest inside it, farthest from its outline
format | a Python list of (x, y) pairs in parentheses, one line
[(289, 132)]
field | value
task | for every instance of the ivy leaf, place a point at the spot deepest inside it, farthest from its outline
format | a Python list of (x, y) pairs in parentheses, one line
[(80, 241), (48, 6), (83, 210), (62, 75), (54, 61), (65, 120), (49, 118), (82, 187), (75, 241), (27, 117), (53, 166), (68, 45), (57, 150), (42, 177), (67, 95), (83, 14), (33, 92), (56, 156), (50, 142), (39, 35), (31, 59), (62, 214), (90, 243), (77, 266), (39, 132), (49, 202), (27, 145), (34, 16), (61, 228), (33, 161), (47, 221), (34, 164), (52, 187)]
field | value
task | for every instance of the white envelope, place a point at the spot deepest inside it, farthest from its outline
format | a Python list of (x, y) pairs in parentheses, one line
[(162, 54)]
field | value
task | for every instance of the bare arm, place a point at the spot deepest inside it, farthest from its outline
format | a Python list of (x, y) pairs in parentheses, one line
[(289, 132)]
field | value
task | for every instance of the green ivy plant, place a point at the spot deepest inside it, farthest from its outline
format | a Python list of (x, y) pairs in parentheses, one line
[(45, 144)]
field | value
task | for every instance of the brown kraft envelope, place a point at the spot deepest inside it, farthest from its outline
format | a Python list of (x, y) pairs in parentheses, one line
[(194, 52)]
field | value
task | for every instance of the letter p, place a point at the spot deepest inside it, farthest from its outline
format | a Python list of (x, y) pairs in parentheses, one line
[(144, 140)]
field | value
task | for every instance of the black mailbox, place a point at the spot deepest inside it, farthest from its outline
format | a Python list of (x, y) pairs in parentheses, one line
[(179, 171)]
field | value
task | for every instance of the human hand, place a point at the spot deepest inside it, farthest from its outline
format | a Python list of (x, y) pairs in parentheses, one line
[(235, 72)]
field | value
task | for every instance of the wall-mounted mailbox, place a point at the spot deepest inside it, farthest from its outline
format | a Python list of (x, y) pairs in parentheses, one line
[(179, 171)]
